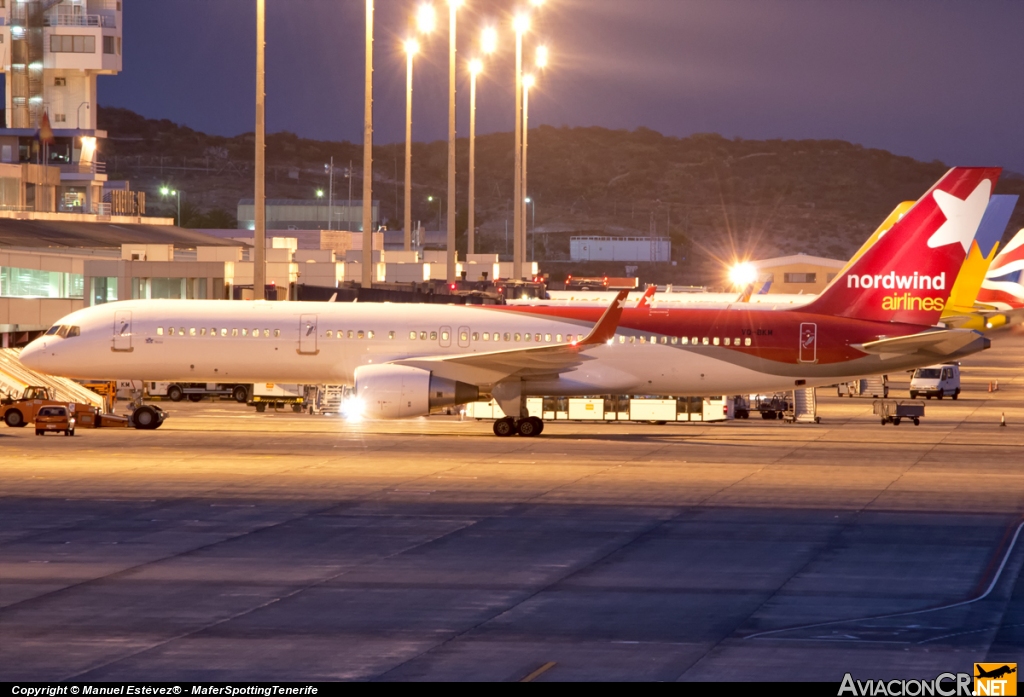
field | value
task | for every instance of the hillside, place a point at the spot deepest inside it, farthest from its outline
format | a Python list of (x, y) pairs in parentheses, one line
[(717, 198)]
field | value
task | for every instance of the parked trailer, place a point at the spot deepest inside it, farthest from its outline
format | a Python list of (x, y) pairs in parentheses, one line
[(277, 396), (195, 391), (615, 408)]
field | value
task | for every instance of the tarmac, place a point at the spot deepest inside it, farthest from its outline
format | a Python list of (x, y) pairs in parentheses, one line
[(236, 546)]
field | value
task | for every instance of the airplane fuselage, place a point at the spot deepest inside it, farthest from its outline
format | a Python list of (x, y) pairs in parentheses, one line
[(695, 352)]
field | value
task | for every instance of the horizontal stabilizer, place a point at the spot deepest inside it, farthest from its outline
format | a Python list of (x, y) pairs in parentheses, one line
[(943, 342)]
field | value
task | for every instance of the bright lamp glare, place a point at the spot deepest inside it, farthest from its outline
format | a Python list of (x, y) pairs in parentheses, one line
[(521, 24), (529, 81), (743, 274), (489, 40), (542, 56), (352, 409), (426, 18), (412, 47), (475, 66)]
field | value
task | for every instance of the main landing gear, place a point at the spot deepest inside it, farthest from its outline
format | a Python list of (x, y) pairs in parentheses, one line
[(528, 428)]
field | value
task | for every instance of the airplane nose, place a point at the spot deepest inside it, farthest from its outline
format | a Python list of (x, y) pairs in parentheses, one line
[(34, 355)]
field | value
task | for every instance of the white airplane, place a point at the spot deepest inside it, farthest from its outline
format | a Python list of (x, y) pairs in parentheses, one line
[(406, 360)]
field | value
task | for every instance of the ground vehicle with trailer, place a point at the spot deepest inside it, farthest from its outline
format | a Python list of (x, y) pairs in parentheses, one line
[(938, 381), (20, 412)]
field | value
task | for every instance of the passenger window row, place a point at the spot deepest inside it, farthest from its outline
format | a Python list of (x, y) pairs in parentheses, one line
[(463, 336), (685, 340), (254, 333)]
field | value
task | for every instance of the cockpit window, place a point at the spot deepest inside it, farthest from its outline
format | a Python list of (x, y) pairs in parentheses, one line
[(64, 331)]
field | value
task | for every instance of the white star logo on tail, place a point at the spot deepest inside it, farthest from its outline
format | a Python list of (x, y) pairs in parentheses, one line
[(962, 216)]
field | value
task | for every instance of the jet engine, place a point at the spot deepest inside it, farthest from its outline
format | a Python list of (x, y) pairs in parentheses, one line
[(396, 392)]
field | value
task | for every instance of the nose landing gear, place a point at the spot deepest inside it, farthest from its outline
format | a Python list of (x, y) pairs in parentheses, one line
[(527, 428)]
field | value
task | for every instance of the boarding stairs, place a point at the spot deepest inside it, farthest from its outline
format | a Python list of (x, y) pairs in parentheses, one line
[(15, 377), (805, 407)]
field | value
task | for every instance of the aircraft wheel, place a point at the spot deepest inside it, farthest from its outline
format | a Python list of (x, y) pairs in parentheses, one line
[(145, 419), (175, 393), (504, 428), (529, 427), (540, 424), (240, 394)]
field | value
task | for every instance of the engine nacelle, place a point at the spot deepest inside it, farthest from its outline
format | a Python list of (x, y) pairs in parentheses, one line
[(397, 392)]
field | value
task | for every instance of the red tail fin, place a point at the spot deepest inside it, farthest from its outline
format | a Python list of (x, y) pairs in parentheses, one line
[(908, 273)]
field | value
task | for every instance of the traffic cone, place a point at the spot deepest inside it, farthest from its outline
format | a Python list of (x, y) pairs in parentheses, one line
[(989, 385), (1002, 419), (996, 388)]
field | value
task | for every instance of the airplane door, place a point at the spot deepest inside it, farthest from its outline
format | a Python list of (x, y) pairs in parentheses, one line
[(122, 330), (446, 337), (464, 337), (808, 342), (307, 335)]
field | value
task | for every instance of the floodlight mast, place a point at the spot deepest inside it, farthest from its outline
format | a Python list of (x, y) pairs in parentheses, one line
[(259, 267)]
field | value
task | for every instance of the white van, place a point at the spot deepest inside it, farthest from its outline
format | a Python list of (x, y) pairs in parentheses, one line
[(936, 381)]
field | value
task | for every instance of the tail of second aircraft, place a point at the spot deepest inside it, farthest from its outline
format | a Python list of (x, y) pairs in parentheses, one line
[(1003, 286), (907, 275)]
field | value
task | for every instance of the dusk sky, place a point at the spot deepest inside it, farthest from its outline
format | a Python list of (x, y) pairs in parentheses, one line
[(927, 78)]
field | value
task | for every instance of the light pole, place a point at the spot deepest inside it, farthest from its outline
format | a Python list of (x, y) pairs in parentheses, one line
[(259, 267), (528, 82), (426, 20), (475, 66), (330, 194), (488, 44), (78, 117), (411, 47), (167, 191), (521, 24), (319, 198), (367, 280), (453, 6)]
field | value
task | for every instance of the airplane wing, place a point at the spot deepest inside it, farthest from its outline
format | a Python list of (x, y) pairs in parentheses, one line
[(552, 359), (942, 342)]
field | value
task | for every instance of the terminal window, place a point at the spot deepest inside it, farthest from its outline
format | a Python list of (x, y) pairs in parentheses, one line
[(801, 278), (32, 283), (66, 43)]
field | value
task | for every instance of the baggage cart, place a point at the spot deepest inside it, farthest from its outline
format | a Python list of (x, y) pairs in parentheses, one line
[(892, 412)]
